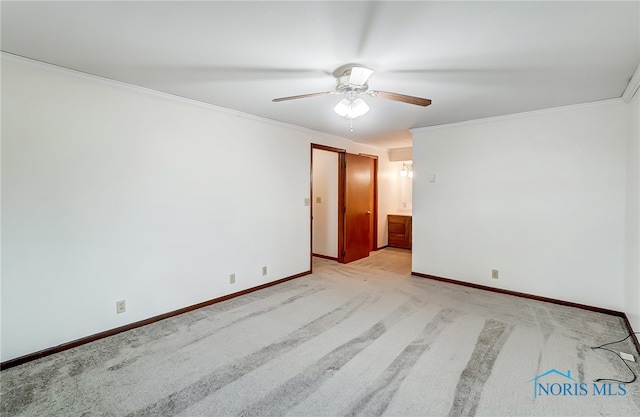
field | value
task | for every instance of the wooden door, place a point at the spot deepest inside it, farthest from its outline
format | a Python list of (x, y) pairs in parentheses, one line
[(359, 207)]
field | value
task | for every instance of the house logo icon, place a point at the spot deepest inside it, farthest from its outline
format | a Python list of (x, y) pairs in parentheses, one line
[(535, 379)]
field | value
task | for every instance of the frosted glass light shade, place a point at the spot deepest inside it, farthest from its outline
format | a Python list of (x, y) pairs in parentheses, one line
[(351, 108), (359, 75)]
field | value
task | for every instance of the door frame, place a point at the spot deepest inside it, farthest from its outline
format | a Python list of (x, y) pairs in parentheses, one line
[(340, 153), (342, 175)]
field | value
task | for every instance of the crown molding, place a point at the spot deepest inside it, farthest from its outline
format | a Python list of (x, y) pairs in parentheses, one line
[(148, 91), (632, 87), (518, 115)]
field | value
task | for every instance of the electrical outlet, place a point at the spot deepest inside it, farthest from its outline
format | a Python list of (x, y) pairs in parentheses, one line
[(494, 273), (264, 270), (232, 278), (121, 306)]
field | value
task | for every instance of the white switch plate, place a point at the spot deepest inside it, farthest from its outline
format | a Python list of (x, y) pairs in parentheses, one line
[(307, 201), (432, 178)]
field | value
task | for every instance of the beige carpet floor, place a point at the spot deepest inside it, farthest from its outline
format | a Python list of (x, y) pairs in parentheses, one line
[(362, 339)]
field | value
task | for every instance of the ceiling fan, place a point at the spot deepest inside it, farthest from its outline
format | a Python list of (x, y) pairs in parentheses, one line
[(352, 82)]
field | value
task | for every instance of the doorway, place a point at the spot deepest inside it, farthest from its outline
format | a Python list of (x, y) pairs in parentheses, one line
[(343, 204), (325, 203)]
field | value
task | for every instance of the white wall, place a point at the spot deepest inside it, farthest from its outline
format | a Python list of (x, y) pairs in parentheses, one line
[(632, 292), (539, 196), (325, 211), (113, 192)]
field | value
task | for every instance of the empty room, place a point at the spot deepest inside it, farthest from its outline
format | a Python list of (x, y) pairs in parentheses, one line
[(310, 208)]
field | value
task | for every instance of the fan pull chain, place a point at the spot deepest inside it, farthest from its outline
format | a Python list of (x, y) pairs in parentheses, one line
[(351, 125)]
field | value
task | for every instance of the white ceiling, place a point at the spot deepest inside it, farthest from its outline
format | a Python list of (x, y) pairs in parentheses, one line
[(473, 59)]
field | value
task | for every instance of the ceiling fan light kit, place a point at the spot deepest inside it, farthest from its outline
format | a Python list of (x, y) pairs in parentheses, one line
[(352, 83), (351, 108)]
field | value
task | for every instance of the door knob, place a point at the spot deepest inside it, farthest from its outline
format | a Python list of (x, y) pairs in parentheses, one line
[(368, 212)]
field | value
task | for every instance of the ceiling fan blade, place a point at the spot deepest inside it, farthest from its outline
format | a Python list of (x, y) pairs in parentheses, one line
[(401, 97), (302, 96)]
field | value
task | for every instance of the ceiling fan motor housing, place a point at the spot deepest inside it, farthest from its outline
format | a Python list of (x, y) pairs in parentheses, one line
[(350, 90)]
